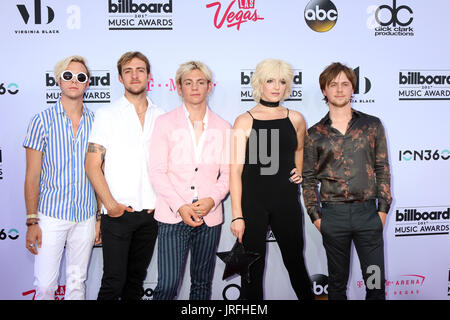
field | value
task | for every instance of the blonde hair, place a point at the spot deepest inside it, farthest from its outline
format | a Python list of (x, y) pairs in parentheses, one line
[(271, 68), (128, 56), (62, 65), (189, 66)]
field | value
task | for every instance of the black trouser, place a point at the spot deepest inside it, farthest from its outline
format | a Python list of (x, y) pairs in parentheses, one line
[(128, 242), (286, 222), (358, 222)]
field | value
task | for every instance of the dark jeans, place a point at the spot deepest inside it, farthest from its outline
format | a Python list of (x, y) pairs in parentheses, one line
[(128, 242), (174, 243), (358, 222)]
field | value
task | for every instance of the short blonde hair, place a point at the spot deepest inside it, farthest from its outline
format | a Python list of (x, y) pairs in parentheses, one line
[(62, 65), (189, 66), (271, 68)]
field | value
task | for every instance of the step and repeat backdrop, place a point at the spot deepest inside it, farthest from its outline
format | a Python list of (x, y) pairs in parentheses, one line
[(398, 49)]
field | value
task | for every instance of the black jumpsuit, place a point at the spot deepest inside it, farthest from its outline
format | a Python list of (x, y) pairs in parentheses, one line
[(269, 198)]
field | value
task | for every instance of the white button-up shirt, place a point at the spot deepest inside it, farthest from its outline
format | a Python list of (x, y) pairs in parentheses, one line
[(118, 129), (197, 146)]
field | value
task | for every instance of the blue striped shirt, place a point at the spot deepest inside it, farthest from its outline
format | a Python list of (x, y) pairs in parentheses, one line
[(65, 191)]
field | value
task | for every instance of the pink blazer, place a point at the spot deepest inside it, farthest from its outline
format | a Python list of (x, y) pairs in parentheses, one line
[(174, 171)]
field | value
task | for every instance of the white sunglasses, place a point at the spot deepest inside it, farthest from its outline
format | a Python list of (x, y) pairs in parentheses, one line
[(69, 75)]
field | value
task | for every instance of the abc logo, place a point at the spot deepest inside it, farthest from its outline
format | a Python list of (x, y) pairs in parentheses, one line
[(321, 15), (320, 285)]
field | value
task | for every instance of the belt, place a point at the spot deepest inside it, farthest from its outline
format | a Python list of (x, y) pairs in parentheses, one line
[(144, 211), (332, 203)]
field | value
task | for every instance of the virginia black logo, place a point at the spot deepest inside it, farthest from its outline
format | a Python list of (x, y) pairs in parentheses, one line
[(363, 86), (43, 16), (37, 13)]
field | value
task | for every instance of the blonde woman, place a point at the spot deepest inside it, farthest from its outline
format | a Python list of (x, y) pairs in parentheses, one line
[(264, 176)]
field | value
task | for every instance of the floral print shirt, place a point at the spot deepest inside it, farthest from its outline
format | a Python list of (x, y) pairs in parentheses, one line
[(350, 167)]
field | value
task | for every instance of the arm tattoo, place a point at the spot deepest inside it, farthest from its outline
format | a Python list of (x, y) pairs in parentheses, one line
[(94, 148)]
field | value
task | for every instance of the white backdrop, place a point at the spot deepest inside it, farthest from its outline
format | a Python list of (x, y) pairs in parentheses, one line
[(404, 78)]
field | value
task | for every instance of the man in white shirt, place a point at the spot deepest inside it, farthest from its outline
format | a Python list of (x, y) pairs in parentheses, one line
[(116, 164)]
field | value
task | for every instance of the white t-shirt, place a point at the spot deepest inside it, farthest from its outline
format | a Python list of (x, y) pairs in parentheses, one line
[(117, 128)]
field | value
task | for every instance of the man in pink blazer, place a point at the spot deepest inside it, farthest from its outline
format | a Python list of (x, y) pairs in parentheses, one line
[(189, 169)]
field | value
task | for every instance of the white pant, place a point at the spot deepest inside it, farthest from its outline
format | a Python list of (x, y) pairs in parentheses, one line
[(78, 238)]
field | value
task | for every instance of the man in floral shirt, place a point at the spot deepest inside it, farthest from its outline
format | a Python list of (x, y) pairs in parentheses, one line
[(346, 152)]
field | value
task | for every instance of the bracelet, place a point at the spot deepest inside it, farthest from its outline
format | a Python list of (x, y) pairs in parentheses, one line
[(31, 223), (238, 218), (32, 216)]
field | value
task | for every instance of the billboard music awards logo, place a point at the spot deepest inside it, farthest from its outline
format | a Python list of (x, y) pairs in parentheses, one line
[(321, 15), (422, 84), (391, 20), (99, 90), (139, 15), (233, 15), (247, 90), (39, 18), (448, 287), (422, 221)]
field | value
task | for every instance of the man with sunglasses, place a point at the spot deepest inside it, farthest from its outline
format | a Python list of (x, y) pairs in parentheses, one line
[(60, 201), (119, 143)]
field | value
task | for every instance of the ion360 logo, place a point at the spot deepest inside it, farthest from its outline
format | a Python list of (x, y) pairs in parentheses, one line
[(12, 234), (321, 15), (423, 155)]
